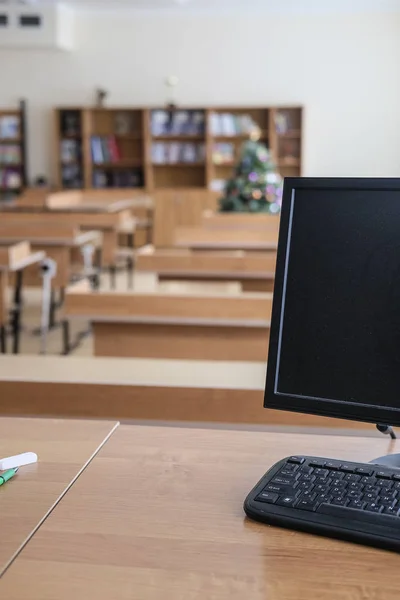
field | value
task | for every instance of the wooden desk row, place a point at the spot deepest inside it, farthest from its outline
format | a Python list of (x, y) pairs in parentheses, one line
[(174, 325), (144, 389), (255, 271), (157, 512)]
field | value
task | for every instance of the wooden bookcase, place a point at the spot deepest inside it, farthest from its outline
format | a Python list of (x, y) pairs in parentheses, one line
[(13, 162), (164, 148)]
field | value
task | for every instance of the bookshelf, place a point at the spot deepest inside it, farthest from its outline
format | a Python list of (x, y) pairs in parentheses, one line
[(168, 148), (13, 163)]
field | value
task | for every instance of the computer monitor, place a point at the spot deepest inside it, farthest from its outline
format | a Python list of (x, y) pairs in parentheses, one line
[(335, 329)]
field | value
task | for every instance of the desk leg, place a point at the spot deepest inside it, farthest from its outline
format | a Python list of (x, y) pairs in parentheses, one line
[(113, 276), (66, 337), (16, 313), (52, 309), (3, 340)]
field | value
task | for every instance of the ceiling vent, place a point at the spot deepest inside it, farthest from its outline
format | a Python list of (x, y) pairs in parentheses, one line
[(28, 24)]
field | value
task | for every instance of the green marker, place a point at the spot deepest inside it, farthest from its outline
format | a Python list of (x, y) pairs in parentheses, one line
[(7, 475)]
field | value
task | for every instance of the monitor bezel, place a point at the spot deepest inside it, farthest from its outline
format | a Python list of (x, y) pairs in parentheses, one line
[(321, 407)]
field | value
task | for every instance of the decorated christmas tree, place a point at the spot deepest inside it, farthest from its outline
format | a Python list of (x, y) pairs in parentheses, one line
[(256, 186)]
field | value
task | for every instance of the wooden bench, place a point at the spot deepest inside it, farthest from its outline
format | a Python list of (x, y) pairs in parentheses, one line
[(246, 221), (255, 271), (162, 325), (199, 238)]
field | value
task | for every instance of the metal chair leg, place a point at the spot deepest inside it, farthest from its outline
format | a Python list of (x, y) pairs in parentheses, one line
[(113, 276), (66, 338), (3, 340)]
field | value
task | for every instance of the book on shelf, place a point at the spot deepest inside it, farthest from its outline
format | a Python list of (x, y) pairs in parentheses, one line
[(9, 127), (69, 151), (126, 178), (164, 153), (10, 178), (105, 149), (229, 124), (123, 123), (70, 121), (223, 153), (72, 176), (177, 122), (10, 154)]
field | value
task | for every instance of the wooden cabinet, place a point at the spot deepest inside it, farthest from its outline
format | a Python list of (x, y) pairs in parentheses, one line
[(179, 208)]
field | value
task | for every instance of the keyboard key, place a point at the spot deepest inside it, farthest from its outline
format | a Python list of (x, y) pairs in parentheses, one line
[(324, 497), (307, 505), (321, 472), (286, 500), (370, 497), (279, 489), (372, 489), (283, 480), (321, 488), (322, 481), (355, 486), (352, 477), (290, 468), (356, 504), (346, 468), (354, 494), (383, 475), (364, 471), (296, 459), (317, 463), (337, 491), (387, 500), (304, 486), (396, 477), (306, 478), (339, 501), (308, 495), (391, 510), (373, 507), (338, 476), (396, 485), (332, 465), (267, 497), (384, 483)]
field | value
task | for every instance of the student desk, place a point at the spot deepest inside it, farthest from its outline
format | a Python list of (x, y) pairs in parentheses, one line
[(255, 271), (57, 240), (222, 220), (161, 325), (167, 522), (199, 238), (14, 259), (64, 448)]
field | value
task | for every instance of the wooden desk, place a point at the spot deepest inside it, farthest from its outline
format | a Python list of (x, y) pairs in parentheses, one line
[(103, 220), (64, 449), (185, 326), (168, 522), (198, 238), (145, 389), (255, 271), (57, 240)]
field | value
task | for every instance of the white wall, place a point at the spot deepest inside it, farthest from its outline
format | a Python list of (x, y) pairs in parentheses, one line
[(343, 69)]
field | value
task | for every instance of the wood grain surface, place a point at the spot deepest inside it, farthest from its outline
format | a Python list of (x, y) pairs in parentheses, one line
[(158, 514), (63, 448)]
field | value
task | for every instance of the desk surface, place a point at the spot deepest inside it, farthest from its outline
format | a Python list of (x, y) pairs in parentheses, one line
[(63, 448), (168, 523)]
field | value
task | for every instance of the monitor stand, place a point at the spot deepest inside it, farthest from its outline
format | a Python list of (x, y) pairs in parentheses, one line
[(389, 460)]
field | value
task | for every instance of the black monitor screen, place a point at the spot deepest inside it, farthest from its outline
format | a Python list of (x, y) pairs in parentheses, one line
[(336, 316)]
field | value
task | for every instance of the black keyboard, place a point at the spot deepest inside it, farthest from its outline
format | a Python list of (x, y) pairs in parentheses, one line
[(353, 501)]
